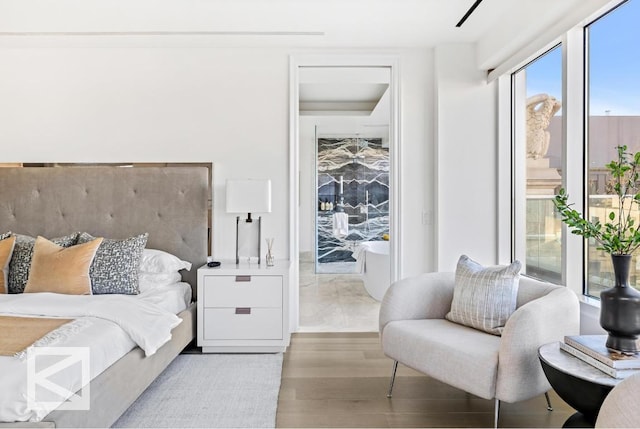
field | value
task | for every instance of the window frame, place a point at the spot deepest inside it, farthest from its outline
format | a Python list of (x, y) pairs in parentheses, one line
[(573, 136), (586, 144), (519, 157)]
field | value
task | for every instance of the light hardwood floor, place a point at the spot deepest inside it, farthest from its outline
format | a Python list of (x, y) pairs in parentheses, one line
[(341, 380)]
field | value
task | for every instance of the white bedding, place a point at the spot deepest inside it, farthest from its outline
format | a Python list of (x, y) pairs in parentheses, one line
[(173, 298), (110, 325)]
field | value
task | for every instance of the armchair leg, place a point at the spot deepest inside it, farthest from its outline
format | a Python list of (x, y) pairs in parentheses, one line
[(495, 413), (393, 377), (546, 396)]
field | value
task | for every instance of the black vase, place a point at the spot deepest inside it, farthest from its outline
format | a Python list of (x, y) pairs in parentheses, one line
[(620, 309)]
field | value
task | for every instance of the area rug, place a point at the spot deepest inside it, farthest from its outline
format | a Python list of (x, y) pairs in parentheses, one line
[(211, 391)]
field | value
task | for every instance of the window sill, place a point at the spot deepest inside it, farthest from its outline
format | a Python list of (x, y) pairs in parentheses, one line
[(591, 302)]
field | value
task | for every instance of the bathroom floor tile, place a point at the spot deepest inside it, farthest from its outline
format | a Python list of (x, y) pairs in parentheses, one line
[(335, 303)]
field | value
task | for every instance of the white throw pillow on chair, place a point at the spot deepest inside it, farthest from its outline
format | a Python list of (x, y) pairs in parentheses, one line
[(484, 297)]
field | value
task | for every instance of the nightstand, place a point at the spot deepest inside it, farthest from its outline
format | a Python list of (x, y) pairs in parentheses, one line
[(243, 308)]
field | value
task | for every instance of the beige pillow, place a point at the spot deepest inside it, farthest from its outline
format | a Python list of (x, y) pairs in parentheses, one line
[(6, 250), (484, 297), (61, 269)]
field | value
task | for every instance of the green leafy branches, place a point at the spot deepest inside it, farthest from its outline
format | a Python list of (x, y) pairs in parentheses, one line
[(619, 235)]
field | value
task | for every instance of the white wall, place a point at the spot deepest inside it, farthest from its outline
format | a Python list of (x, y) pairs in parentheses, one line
[(417, 152), (76, 100), (307, 165), (102, 104), (466, 158)]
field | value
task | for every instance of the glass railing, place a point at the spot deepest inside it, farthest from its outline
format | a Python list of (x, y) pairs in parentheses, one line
[(599, 266), (544, 246)]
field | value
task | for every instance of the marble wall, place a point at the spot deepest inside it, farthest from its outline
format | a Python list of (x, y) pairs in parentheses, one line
[(362, 166)]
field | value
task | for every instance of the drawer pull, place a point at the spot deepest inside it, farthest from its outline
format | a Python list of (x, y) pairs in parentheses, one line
[(243, 310), (243, 278)]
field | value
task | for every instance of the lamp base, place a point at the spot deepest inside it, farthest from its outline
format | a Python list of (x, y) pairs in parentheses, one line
[(248, 238)]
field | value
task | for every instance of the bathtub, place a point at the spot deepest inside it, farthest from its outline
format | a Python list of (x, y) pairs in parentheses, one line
[(373, 263)]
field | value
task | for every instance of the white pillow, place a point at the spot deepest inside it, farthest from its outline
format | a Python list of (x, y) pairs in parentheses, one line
[(159, 261), (150, 281), (484, 297)]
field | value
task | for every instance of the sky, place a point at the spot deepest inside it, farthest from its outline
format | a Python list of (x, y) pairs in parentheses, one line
[(614, 64)]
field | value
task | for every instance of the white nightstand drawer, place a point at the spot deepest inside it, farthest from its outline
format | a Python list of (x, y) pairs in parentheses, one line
[(243, 291), (248, 324)]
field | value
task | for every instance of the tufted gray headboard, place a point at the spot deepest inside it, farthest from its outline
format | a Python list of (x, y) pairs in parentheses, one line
[(170, 203)]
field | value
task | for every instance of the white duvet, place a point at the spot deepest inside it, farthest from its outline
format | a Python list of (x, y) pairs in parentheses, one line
[(109, 325)]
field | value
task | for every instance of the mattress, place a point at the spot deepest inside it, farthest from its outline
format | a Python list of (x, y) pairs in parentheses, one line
[(104, 338)]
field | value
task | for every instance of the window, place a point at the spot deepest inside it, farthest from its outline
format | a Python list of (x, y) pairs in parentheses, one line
[(537, 102), (613, 104), (599, 75)]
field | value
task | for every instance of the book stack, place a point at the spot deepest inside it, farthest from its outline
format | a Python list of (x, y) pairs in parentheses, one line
[(592, 350)]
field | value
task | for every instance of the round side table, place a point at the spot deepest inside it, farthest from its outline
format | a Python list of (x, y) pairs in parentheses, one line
[(577, 383)]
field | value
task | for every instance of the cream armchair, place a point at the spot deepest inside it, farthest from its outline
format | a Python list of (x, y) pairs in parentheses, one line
[(620, 407), (414, 332)]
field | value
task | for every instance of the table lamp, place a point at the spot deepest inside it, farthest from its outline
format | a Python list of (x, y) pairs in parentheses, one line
[(248, 196)]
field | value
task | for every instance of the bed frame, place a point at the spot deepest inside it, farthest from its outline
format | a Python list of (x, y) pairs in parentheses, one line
[(170, 203)]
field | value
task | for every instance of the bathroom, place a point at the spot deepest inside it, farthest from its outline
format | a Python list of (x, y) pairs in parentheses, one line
[(344, 212)]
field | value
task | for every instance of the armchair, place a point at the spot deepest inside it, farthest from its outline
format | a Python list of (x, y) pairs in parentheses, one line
[(414, 332), (620, 409)]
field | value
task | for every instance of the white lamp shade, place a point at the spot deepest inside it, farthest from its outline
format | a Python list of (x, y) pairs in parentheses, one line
[(249, 196)]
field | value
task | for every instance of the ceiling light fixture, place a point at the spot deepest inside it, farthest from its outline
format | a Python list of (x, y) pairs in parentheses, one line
[(469, 12)]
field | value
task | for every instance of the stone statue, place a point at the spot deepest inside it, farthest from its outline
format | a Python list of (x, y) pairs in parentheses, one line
[(540, 110)]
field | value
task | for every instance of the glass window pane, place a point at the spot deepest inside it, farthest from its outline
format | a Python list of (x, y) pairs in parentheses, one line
[(614, 119), (541, 105)]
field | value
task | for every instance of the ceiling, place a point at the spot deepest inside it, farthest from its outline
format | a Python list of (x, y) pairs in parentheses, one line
[(297, 23), (498, 28), (346, 100), (351, 98), (346, 91)]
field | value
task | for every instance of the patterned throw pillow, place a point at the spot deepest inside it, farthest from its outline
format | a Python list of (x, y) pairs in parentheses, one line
[(115, 267), (484, 297), (21, 259), (7, 243)]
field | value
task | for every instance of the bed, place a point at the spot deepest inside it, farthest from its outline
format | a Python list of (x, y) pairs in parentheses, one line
[(170, 203)]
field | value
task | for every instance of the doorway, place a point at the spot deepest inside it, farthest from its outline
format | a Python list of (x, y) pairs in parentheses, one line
[(344, 193)]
